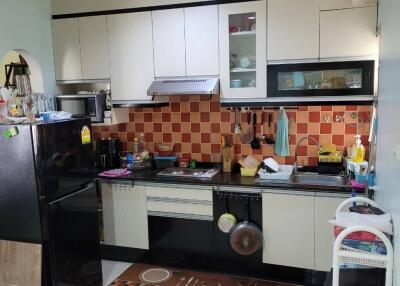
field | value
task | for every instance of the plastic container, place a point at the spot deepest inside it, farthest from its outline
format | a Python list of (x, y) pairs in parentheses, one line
[(284, 173), (165, 162), (3, 110), (361, 179), (135, 146), (248, 172)]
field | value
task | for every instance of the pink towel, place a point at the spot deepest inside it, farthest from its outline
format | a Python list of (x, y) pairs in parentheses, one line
[(115, 173)]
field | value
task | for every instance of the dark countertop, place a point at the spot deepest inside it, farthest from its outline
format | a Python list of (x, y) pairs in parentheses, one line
[(234, 180)]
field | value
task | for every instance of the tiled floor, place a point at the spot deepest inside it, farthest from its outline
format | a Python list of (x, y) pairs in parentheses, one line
[(131, 276)]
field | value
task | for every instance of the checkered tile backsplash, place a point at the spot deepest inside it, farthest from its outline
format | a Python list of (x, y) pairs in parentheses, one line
[(195, 126)]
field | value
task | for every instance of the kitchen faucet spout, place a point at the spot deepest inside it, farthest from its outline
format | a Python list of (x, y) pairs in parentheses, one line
[(312, 139)]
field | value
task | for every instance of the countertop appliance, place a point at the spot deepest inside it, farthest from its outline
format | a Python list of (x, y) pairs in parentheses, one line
[(189, 173), (48, 197), (108, 153), (88, 104)]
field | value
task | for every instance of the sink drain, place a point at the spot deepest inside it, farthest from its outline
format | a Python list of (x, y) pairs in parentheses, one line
[(155, 275)]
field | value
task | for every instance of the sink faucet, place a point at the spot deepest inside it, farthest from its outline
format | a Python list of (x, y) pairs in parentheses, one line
[(297, 145)]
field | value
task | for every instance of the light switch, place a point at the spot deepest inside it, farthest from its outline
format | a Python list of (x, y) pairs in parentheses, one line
[(396, 152)]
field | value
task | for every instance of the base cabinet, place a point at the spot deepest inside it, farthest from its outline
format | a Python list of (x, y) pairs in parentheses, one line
[(288, 227), (325, 208), (296, 228), (125, 215)]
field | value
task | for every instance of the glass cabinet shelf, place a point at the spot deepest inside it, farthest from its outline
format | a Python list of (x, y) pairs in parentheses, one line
[(321, 79), (243, 34), (242, 50)]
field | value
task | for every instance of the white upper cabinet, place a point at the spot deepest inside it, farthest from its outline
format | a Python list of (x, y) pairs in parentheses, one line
[(293, 29), (349, 33), (94, 47), (169, 42), (67, 51), (242, 39), (201, 37), (131, 55), (345, 4)]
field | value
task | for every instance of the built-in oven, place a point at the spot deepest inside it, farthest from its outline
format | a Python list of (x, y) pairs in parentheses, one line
[(246, 206), (92, 105)]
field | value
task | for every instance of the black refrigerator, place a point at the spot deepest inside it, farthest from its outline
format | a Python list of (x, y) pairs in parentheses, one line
[(48, 196)]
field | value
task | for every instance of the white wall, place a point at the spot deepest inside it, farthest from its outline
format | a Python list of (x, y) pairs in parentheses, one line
[(26, 25), (77, 6), (388, 169)]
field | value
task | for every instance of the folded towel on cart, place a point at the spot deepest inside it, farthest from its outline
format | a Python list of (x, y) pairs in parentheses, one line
[(381, 222)]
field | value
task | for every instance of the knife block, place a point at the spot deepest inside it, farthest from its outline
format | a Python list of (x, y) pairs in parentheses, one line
[(227, 159)]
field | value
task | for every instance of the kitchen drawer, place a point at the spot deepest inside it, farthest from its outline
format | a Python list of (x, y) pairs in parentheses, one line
[(155, 205), (183, 192)]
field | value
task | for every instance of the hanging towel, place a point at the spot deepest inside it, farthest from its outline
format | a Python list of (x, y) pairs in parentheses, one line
[(282, 135)]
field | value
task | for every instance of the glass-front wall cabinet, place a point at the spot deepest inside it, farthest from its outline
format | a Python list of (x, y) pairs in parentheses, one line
[(321, 79), (243, 49)]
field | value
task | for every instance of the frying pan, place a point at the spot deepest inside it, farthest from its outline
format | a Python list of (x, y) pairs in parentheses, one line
[(246, 237)]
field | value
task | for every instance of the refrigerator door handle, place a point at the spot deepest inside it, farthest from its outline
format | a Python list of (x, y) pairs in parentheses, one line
[(88, 187)]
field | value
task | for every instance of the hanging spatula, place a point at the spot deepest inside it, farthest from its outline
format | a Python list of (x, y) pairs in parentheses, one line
[(255, 143)]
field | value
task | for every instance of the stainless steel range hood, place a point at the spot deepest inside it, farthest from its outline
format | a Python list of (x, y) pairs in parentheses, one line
[(184, 86)]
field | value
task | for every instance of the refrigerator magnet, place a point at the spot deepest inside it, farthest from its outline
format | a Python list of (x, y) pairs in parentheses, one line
[(85, 135), (11, 132)]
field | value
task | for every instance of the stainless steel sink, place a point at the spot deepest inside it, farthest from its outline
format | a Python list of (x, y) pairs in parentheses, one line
[(316, 179)]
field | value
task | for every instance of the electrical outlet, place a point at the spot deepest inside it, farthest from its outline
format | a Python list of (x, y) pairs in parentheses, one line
[(327, 118), (396, 152)]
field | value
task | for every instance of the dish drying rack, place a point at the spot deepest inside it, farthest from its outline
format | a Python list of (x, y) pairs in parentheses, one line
[(343, 255)]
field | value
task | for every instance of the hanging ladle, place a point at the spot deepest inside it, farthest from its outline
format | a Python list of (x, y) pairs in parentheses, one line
[(269, 139)]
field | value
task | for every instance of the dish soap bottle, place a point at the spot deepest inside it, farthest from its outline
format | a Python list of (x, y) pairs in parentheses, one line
[(358, 150)]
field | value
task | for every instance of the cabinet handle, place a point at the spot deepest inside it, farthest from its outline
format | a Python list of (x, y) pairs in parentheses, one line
[(177, 200), (180, 215)]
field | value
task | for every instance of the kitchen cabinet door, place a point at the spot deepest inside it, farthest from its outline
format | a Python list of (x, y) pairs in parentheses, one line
[(325, 208), (94, 47), (66, 49), (288, 228), (242, 41), (345, 4), (131, 56), (201, 37), (349, 33), (293, 29), (169, 42), (125, 215)]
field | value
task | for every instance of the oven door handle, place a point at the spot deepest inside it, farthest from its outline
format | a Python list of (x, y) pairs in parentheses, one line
[(180, 215)]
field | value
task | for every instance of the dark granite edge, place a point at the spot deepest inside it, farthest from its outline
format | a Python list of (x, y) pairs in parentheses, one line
[(230, 180)]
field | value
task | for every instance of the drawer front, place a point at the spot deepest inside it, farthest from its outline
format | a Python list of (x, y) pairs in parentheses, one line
[(180, 207), (183, 192)]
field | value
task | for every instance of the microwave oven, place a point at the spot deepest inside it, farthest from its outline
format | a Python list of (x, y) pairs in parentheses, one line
[(91, 105)]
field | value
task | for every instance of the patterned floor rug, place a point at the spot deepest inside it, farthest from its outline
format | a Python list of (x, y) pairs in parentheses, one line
[(150, 275)]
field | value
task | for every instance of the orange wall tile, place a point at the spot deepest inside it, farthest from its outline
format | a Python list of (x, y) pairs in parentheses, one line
[(195, 127)]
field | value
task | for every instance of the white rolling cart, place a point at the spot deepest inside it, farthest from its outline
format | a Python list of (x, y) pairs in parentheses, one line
[(342, 255)]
